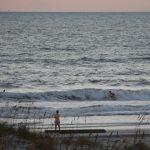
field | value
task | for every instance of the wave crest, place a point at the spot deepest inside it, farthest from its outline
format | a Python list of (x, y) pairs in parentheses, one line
[(78, 94)]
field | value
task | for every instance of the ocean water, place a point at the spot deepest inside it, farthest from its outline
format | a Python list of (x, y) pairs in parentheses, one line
[(69, 61)]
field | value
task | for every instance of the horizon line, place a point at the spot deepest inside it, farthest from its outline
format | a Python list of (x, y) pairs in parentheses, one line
[(74, 11)]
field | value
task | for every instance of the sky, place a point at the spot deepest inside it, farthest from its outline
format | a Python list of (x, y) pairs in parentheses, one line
[(75, 5)]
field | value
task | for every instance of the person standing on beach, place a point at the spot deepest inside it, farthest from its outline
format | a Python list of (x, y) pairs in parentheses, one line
[(56, 116)]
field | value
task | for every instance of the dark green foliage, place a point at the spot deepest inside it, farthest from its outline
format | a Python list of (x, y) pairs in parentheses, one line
[(6, 130), (26, 134), (139, 146), (11, 137), (44, 144), (67, 141), (84, 143)]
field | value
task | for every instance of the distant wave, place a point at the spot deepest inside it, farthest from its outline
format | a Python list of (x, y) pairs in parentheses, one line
[(77, 94), (102, 59), (141, 58), (72, 60)]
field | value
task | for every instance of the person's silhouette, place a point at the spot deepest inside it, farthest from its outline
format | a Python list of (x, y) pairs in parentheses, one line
[(57, 120), (112, 95)]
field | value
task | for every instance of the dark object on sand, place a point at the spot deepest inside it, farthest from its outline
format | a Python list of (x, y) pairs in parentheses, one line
[(77, 131)]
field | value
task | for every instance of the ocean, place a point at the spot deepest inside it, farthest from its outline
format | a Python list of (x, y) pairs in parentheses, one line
[(70, 61)]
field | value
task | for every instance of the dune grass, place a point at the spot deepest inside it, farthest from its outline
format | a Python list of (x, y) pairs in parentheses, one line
[(23, 139)]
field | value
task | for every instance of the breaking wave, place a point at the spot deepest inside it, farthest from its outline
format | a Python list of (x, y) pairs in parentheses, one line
[(77, 94)]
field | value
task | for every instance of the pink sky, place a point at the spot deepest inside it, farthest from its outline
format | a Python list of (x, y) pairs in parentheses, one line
[(75, 5)]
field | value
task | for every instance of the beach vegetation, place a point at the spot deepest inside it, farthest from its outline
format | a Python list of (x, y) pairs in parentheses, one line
[(24, 139)]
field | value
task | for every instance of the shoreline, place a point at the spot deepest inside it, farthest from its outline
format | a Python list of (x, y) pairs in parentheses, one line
[(115, 122)]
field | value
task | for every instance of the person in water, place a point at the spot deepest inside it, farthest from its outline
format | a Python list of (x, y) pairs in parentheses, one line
[(112, 95), (56, 116)]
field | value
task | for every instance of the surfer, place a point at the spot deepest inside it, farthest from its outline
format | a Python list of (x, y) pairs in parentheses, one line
[(112, 95), (56, 116)]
